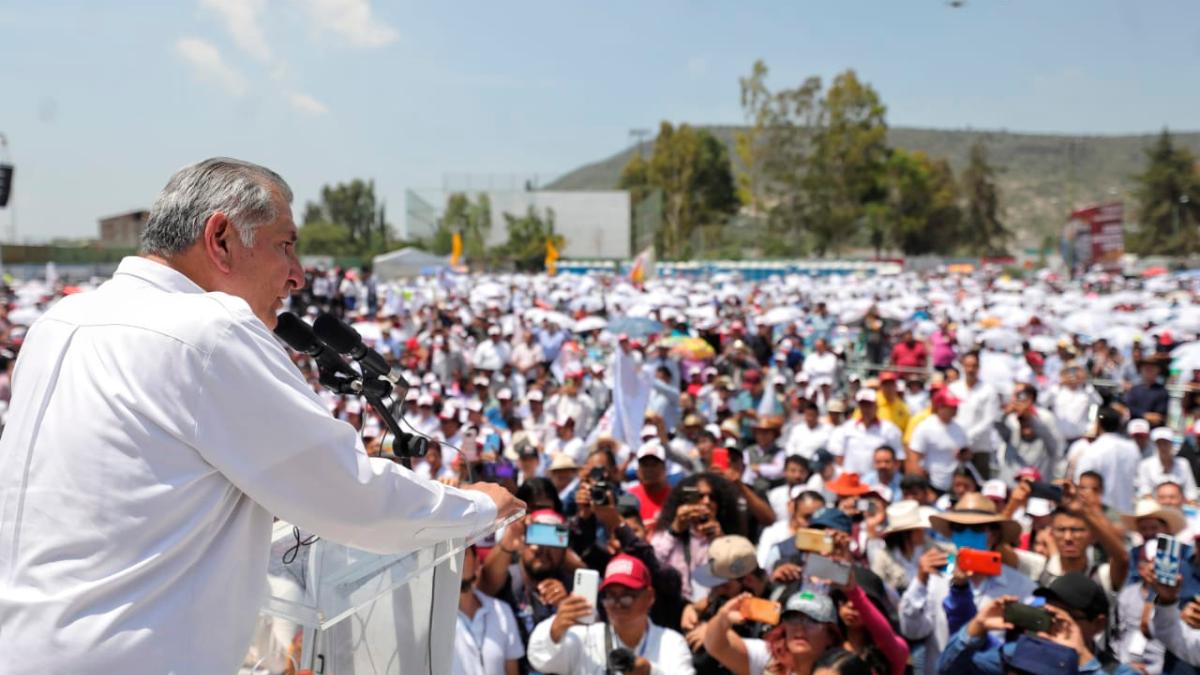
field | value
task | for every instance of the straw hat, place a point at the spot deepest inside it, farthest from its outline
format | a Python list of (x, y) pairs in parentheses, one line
[(907, 515), (975, 509), (1148, 508)]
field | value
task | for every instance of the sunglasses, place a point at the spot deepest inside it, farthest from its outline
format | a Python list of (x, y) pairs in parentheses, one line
[(619, 599)]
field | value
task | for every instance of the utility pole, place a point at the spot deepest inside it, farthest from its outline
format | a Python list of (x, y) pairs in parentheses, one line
[(639, 137)]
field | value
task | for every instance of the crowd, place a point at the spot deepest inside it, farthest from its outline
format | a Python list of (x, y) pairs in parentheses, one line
[(920, 473)]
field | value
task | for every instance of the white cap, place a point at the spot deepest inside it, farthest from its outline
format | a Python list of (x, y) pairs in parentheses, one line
[(535, 395), (1037, 507), (1138, 426), (652, 449), (412, 395), (884, 492), (504, 394), (475, 405), (996, 489), (1162, 434), (649, 431), (493, 330), (424, 400), (865, 396), (778, 380), (801, 376)]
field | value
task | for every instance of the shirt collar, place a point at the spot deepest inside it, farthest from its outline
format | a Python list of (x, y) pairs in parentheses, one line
[(157, 274)]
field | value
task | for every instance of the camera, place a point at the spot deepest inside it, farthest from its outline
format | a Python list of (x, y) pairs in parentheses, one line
[(601, 488), (621, 660)]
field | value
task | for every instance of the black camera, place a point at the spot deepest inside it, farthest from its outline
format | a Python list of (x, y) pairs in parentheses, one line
[(621, 660), (601, 488)]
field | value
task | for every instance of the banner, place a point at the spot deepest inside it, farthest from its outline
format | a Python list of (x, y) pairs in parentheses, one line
[(1095, 236), (456, 250), (551, 258), (643, 266)]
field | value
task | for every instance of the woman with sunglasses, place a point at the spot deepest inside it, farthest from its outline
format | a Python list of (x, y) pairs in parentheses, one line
[(807, 629)]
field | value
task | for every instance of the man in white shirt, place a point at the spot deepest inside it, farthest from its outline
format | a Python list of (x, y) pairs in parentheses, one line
[(978, 410), (147, 551), (1071, 402), (1162, 466), (565, 644), (810, 435), (938, 443), (487, 640), (1115, 458), (821, 364), (855, 442)]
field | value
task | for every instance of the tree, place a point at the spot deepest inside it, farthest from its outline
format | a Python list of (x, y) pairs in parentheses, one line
[(984, 232), (1168, 194), (692, 169), (472, 221), (920, 213), (527, 237), (346, 220), (750, 144)]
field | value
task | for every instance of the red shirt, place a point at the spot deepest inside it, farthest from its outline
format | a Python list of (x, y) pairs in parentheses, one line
[(650, 504), (905, 356)]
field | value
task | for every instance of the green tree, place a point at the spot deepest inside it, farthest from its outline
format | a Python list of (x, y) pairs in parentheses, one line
[(692, 169), (1168, 194), (471, 220), (751, 143), (527, 237), (346, 220), (919, 213), (985, 233)]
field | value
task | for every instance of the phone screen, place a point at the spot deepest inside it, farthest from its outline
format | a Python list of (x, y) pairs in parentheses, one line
[(826, 568), (545, 534)]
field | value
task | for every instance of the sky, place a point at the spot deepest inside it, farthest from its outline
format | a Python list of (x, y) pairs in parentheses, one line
[(102, 100)]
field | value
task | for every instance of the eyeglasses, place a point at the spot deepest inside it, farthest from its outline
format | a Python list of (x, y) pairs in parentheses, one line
[(617, 598)]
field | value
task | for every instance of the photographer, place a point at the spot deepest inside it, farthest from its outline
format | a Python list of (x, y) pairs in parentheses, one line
[(699, 509), (628, 642)]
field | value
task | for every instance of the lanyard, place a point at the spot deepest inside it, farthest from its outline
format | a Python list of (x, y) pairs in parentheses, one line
[(478, 644)]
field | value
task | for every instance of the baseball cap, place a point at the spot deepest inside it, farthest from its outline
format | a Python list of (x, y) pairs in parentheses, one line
[(475, 405), (504, 394), (944, 398), (729, 557), (535, 395), (526, 450), (652, 449), (1078, 592), (888, 376), (1162, 434), (837, 405), (1138, 426), (547, 517), (424, 400), (626, 570), (821, 459), (865, 396), (649, 431), (693, 420), (995, 489), (830, 518), (816, 607)]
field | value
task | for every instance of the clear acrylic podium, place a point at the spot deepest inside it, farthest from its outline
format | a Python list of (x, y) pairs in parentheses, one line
[(335, 610)]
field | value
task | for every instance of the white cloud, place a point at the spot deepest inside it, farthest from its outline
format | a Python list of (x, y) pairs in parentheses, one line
[(352, 20), (242, 20), (207, 63), (307, 104)]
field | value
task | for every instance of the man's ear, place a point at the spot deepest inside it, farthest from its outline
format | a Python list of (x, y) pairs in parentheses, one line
[(218, 230)]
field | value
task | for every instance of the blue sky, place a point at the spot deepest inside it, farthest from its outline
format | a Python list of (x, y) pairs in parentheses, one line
[(101, 101)]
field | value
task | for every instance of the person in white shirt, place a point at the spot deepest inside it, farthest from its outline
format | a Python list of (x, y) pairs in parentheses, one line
[(821, 364), (487, 640), (978, 410), (855, 442), (565, 643), (1115, 458), (796, 473), (1071, 402), (938, 443), (810, 435), (565, 442), (1162, 465), (147, 552)]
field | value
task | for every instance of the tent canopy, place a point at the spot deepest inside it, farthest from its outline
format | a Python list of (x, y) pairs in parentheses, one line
[(407, 262)]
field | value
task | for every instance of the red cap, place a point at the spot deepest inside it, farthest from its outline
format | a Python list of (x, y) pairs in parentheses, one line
[(1164, 338), (626, 570), (888, 376), (752, 377), (1029, 473), (944, 398), (1035, 359)]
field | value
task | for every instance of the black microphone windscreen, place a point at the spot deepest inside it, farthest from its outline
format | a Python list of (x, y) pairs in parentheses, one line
[(292, 330), (342, 338)]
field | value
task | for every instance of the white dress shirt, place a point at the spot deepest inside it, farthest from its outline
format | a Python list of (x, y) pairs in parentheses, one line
[(804, 440), (154, 432), (1151, 474), (1115, 458), (978, 410), (938, 445), (583, 650), (485, 642), (1072, 408), (1176, 636), (856, 444)]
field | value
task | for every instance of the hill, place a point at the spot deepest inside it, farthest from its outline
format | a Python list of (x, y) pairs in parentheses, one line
[(1042, 176)]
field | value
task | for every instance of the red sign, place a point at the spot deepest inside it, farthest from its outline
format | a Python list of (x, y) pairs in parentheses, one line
[(1099, 235)]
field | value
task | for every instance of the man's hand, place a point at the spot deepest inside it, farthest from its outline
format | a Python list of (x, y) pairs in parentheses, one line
[(583, 499), (786, 573), (695, 636), (990, 617), (710, 528), (1020, 493), (931, 562), (551, 591), (1167, 595), (1191, 614), (570, 611), (1067, 633), (506, 504)]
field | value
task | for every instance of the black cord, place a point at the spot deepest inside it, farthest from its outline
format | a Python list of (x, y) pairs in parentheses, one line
[(289, 556)]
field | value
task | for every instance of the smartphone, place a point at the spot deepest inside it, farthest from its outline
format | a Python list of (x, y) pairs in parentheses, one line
[(761, 610), (1030, 619), (826, 568), (815, 541), (587, 586), (1166, 559), (1043, 490), (866, 506), (545, 534), (985, 563)]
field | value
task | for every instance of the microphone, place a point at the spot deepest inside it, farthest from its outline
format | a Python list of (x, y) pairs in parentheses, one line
[(297, 334), (345, 340)]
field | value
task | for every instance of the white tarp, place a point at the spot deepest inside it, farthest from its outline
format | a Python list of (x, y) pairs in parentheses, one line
[(407, 262)]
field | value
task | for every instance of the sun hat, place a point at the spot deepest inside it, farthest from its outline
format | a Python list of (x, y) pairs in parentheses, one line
[(907, 515), (729, 557), (847, 485), (1147, 507), (975, 509)]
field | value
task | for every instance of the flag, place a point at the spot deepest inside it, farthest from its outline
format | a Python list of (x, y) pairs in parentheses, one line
[(456, 250), (551, 257), (643, 266)]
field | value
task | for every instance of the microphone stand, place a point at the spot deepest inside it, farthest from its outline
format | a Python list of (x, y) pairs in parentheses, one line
[(374, 390)]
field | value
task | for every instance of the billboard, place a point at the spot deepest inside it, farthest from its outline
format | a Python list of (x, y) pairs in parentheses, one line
[(1095, 235)]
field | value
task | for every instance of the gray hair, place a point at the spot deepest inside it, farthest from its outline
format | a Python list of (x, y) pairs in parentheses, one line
[(240, 190)]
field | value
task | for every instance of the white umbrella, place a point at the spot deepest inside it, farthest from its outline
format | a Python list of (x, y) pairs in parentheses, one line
[(1001, 339), (780, 315), (369, 330), (1186, 357), (590, 323)]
